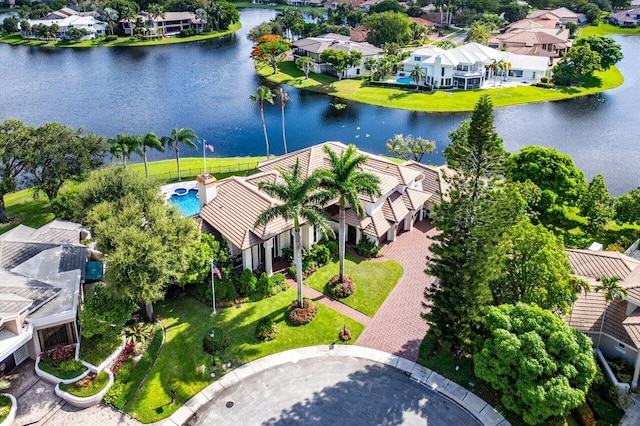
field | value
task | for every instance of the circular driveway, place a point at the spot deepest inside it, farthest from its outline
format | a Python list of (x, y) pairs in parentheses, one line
[(331, 391)]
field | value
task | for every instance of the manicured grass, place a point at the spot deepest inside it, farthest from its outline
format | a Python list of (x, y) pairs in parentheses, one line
[(373, 281), (606, 29), (93, 387), (26, 210), (15, 39), (180, 364), (167, 170), (98, 348), (47, 366), (136, 372), (438, 101)]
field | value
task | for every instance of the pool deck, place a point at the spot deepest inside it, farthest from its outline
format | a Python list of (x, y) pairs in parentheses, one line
[(168, 190)]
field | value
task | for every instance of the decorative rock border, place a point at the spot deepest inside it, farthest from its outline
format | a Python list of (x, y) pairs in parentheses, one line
[(485, 413), (12, 413), (88, 401), (54, 379)]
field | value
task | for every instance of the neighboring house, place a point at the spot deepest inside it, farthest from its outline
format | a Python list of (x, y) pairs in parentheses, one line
[(314, 46), (231, 206), (563, 14), (66, 19), (424, 22), (333, 4), (41, 271), (168, 25), (314, 3), (621, 329), (467, 67), (545, 21), (629, 18), (539, 41), (358, 34)]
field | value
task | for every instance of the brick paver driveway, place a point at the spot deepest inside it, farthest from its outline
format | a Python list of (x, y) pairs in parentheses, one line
[(397, 327)]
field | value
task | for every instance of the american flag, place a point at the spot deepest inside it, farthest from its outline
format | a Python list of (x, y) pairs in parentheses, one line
[(209, 147), (215, 270)]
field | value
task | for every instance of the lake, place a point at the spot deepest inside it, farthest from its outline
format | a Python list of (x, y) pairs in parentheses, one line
[(206, 86)]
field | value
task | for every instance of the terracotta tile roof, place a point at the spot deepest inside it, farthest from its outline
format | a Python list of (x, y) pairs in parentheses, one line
[(379, 225), (414, 199), (358, 34), (424, 22), (431, 182), (594, 264), (394, 209), (631, 325), (234, 210)]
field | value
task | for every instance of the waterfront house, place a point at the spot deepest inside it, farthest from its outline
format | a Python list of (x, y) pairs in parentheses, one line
[(468, 66), (534, 40), (230, 207), (41, 271), (628, 18), (66, 19), (168, 25), (314, 46), (620, 335), (563, 14)]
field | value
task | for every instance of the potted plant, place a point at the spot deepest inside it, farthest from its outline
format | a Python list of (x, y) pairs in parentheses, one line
[(87, 391), (8, 405)]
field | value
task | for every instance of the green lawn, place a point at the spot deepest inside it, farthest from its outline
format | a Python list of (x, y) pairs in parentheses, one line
[(186, 321), (607, 29), (373, 280), (26, 210), (15, 39), (438, 101), (167, 170)]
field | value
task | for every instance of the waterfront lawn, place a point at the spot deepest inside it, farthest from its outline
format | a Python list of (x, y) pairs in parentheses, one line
[(167, 170), (439, 100), (606, 29), (24, 209), (180, 362), (373, 281), (16, 39)]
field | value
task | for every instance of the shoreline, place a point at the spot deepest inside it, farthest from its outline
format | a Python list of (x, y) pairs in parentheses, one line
[(439, 101), (16, 40)]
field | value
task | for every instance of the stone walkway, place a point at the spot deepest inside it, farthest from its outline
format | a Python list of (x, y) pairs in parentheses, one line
[(397, 327)]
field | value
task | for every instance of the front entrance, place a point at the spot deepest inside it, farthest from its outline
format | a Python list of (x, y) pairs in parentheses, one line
[(351, 235), (57, 335)]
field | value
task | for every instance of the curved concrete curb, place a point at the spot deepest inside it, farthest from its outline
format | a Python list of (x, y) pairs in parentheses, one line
[(475, 406), (85, 402), (8, 421)]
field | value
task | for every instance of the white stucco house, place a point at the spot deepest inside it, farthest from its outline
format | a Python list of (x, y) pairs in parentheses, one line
[(66, 19), (468, 66)]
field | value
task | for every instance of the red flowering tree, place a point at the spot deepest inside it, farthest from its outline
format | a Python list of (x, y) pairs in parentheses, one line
[(271, 48)]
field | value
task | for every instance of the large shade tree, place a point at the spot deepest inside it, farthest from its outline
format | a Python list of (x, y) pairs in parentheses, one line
[(301, 201), (345, 178), (410, 148), (185, 136), (15, 145), (542, 367)]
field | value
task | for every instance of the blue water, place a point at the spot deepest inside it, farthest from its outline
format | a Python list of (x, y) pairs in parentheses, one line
[(188, 204), (405, 80)]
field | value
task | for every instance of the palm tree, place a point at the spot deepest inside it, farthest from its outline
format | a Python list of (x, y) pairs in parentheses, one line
[(124, 145), (263, 94), (417, 74), (345, 179), (301, 201), (111, 16), (507, 67), (155, 11), (282, 95), (150, 140), (612, 291), (494, 67), (183, 135)]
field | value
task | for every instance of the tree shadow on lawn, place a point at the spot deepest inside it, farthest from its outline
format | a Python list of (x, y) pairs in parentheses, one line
[(591, 82)]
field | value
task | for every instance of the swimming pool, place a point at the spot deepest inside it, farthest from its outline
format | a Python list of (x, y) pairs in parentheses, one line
[(405, 80), (186, 201)]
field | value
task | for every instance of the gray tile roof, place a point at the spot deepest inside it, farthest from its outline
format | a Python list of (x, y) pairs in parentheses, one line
[(14, 253), (14, 286), (594, 264)]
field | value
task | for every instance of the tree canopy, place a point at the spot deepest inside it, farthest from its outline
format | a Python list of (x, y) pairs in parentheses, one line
[(341, 60), (387, 27), (542, 366), (410, 148), (271, 48), (609, 51)]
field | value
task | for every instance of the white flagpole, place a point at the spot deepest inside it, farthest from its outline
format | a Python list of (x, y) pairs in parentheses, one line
[(213, 289)]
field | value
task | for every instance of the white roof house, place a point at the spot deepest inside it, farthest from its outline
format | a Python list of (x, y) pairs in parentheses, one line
[(467, 66), (89, 23)]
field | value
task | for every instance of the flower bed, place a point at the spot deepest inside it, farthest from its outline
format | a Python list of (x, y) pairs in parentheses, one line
[(86, 392), (8, 409), (58, 365), (339, 289), (304, 315)]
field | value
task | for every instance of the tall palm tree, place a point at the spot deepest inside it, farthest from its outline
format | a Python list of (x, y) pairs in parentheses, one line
[(345, 179), (282, 95), (417, 74), (150, 140), (612, 291), (301, 201), (494, 67), (182, 135), (155, 11), (124, 145), (263, 94), (507, 67)]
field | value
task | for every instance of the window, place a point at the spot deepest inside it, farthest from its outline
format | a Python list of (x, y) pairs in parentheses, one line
[(442, 72), (534, 75), (515, 73), (418, 59), (357, 71)]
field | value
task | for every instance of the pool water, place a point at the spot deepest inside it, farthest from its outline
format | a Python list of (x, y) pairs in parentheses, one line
[(188, 204), (405, 80)]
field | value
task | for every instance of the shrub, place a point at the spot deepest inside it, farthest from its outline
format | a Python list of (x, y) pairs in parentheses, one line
[(341, 289), (279, 283), (544, 79), (622, 371), (58, 354), (287, 253), (584, 415), (333, 247), (207, 30), (64, 206), (321, 254), (604, 410), (344, 334), (266, 329), (111, 38), (548, 85), (303, 315), (367, 248), (264, 286), (71, 368), (127, 352), (248, 282)]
